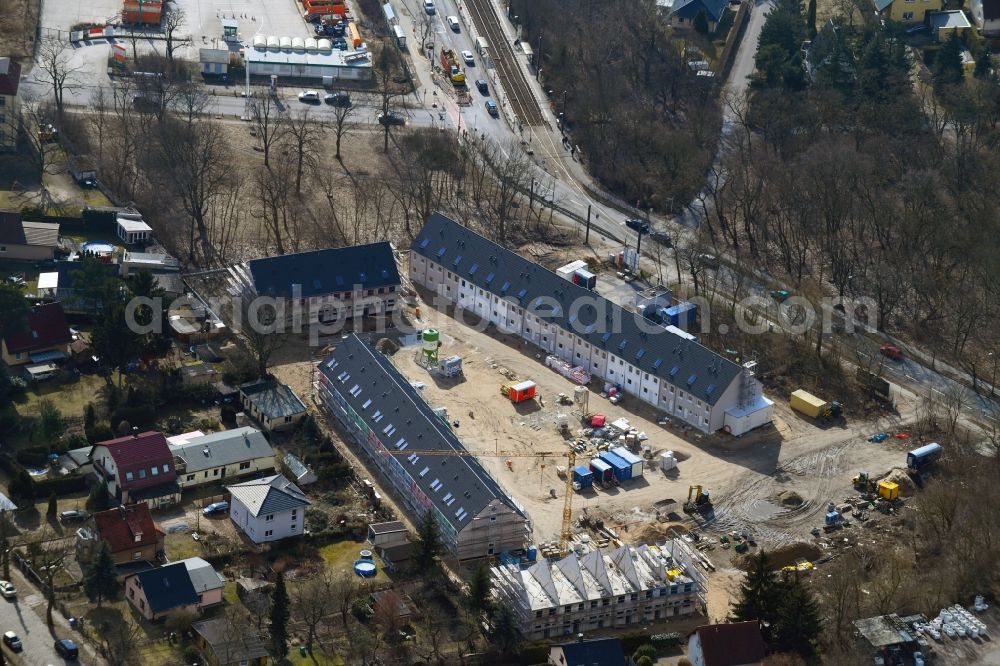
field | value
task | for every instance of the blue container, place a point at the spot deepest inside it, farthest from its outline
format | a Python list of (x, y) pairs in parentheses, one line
[(832, 518), (583, 476), (623, 470), (585, 278), (532, 553), (681, 315), (603, 472), (925, 455)]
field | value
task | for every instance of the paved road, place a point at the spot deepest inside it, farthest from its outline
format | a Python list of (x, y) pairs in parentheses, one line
[(25, 617)]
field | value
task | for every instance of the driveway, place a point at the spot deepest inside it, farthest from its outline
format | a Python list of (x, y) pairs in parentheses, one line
[(25, 616)]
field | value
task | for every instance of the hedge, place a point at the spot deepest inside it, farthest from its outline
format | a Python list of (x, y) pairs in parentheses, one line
[(63, 485), (33, 457)]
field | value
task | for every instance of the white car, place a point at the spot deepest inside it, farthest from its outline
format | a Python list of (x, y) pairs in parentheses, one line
[(309, 96), (468, 58), (7, 589), (429, 7), (453, 23)]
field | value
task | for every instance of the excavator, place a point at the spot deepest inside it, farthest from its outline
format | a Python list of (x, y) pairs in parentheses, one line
[(698, 500)]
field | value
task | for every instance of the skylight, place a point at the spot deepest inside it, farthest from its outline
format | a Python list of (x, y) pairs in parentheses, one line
[(473, 268), (424, 243), (692, 379), (367, 403), (442, 251), (457, 261), (674, 370), (710, 389), (424, 471), (639, 354), (605, 337), (489, 278)]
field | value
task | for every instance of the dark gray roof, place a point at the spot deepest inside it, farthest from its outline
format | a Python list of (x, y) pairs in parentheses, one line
[(598, 652), (168, 587), (223, 448), (326, 271), (272, 494), (683, 363), (273, 399), (230, 644), (459, 487), (688, 9)]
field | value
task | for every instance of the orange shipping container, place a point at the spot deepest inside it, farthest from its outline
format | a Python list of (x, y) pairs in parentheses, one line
[(148, 12), (353, 36), (324, 7)]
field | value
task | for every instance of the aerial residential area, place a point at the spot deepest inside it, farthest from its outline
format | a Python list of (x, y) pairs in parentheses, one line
[(433, 332)]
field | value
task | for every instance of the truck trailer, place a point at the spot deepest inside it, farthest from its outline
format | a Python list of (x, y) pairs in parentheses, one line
[(925, 455), (808, 404)]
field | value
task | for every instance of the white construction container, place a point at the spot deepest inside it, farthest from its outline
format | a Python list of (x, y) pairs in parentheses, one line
[(632, 459), (668, 461), (566, 272)]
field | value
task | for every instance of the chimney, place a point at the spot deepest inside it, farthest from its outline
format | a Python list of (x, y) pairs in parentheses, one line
[(135, 431), (579, 638)]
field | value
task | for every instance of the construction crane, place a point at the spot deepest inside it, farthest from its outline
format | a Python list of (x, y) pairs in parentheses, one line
[(567, 518)]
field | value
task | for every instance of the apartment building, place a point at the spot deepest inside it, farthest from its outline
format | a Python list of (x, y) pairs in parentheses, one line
[(601, 589), (668, 371), (381, 412)]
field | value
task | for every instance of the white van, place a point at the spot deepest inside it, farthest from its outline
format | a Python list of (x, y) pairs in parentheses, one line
[(453, 23)]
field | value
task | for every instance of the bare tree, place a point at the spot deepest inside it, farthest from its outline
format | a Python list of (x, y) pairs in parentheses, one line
[(55, 68), (341, 114), (173, 18), (100, 111), (190, 101), (118, 642), (37, 116), (388, 90), (311, 604), (258, 324), (343, 592), (302, 138), (276, 206), (268, 122)]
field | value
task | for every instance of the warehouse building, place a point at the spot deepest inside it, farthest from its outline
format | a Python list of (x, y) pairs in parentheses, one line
[(671, 372), (382, 412), (601, 589), (309, 58)]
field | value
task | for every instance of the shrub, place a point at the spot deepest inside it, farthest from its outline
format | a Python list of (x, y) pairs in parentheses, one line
[(62, 485), (140, 416), (37, 456), (227, 414), (99, 433), (317, 520)]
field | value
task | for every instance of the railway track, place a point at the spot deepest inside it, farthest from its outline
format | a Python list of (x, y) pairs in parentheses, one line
[(511, 76)]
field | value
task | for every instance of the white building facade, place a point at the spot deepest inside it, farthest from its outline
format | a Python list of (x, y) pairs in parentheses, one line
[(268, 509)]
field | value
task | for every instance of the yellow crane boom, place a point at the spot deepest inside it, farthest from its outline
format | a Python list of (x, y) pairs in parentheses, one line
[(567, 518)]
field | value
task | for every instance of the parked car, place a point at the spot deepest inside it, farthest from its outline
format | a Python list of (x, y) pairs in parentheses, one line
[(429, 7), (12, 641), (483, 86), (662, 238), (892, 352), (642, 226), (339, 98), (7, 589), (72, 516), (492, 109), (309, 96), (470, 60), (215, 508), (708, 260), (453, 23), (67, 649), (392, 119)]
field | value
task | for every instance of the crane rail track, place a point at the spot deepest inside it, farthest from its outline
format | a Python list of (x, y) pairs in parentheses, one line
[(518, 91)]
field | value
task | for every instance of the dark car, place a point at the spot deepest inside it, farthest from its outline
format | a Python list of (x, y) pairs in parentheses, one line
[(72, 516), (483, 86), (642, 226), (491, 108), (391, 119), (67, 649), (12, 641), (215, 507), (339, 98)]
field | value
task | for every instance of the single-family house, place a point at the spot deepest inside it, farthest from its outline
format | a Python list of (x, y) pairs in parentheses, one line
[(735, 644), (158, 592), (906, 11), (596, 652), (268, 509), (684, 12), (129, 531), (221, 456), (45, 338), (302, 473), (26, 241), (137, 468), (10, 106), (133, 230), (223, 644), (207, 582), (943, 24), (273, 404), (986, 14)]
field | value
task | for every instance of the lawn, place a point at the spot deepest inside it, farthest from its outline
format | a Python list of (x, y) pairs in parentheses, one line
[(70, 398), (317, 658), (181, 546), (340, 558)]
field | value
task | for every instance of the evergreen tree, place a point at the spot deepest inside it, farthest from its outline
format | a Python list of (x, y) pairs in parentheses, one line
[(98, 498), (479, 590), (279, 618), (984, 64), (100, 578), (811, 19), (22, 487), (506, 633), (798, 625), (948, 63), (50, 421), (53, 509), (759, 597), (701, 22), (428, 542), (15, 308)]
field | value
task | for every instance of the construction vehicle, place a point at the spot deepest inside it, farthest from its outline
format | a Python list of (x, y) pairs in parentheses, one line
[(813, 407), (566, 531), (697, 500), (450, 64)]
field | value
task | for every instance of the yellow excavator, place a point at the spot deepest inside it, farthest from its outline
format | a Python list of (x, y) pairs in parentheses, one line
[(697, 501)]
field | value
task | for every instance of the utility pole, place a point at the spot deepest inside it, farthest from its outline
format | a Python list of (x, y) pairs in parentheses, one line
[(586, 238)]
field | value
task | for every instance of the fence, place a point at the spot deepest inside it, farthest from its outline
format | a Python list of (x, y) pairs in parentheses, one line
[(734, 38)]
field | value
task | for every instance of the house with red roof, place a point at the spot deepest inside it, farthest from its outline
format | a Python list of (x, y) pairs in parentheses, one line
[(46, 337), (10, 116), (132, 537), (137, 468), (735, 644)]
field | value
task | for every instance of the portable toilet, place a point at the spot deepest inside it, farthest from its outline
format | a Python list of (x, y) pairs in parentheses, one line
[(583, 476), (603, 472)]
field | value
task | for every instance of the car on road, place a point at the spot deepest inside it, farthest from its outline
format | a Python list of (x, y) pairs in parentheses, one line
[(72, 516), (392, 118), (429, 7), (453, 23), (11, 640), (339, 98), (309, 96), (662, 238), (891, 352), (470, 60), (492, 109), (215, 508), (67, 649), (7, 589), (642, 226), (482, 86), (708, 260)]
